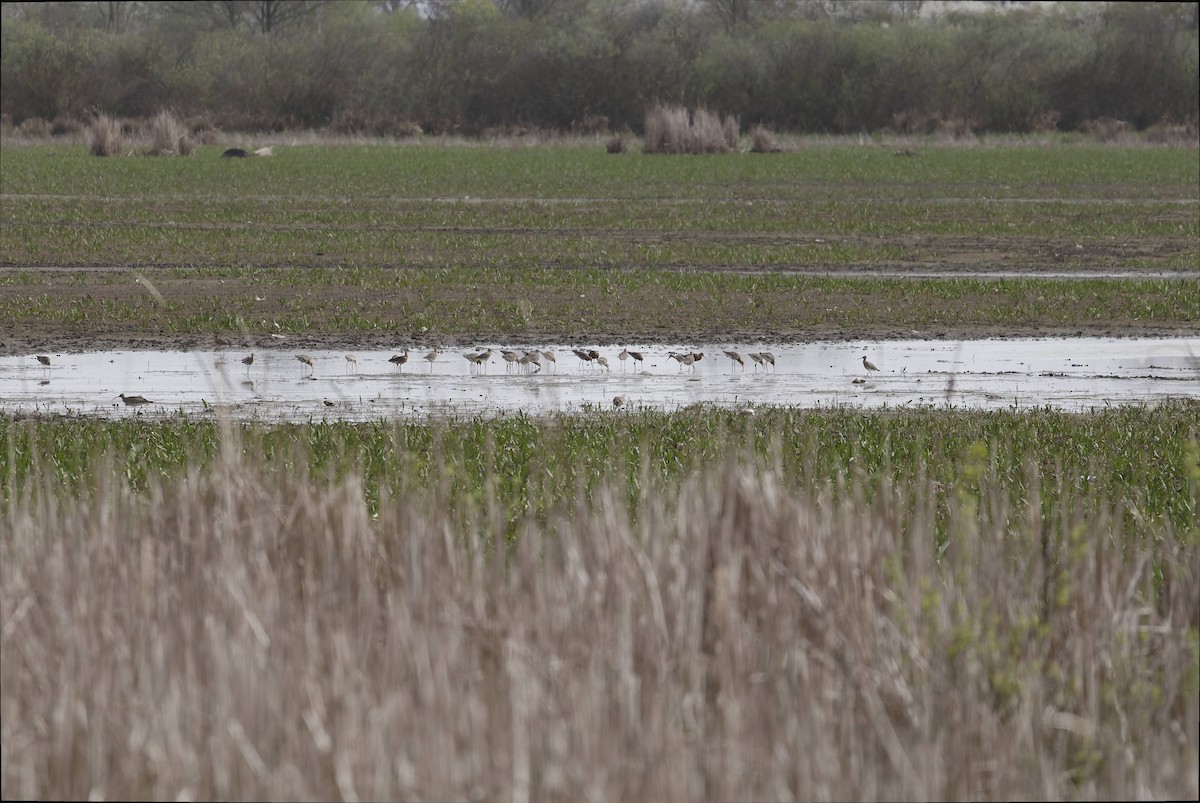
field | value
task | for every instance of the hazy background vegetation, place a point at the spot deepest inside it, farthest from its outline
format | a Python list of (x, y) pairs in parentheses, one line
[(398, 67)]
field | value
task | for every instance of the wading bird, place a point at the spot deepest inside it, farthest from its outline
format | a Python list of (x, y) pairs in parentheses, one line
[(353, 361), (688, 359), (637, 358), (758, 359), (479, 359), (307, 360), (248, 361), (870, 366), (768, 359), (511, 358), (531, 359), (623, 356), (431, 356), (398, 360), (134, 401), (44, 360), (602, 361), (737, 358), (549, 355)]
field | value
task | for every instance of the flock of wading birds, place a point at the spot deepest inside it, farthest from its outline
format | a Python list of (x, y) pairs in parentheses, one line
[(529, 361)]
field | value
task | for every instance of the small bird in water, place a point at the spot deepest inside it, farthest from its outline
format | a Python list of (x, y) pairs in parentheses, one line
[(531, 361), (248, 361), (398, 360), (134, 401), (870, 366), (328, 403), (618, 401)]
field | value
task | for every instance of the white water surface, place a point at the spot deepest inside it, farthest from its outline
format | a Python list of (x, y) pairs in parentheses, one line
[(1064, 373)]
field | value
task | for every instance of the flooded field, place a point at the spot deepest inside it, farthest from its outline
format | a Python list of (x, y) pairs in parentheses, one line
[(1070, 374)]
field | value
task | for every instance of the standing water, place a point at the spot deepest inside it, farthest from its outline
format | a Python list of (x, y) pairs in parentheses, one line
[(1069, 374)]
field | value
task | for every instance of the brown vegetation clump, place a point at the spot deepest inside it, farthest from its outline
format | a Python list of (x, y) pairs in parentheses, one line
[(591, 125), (1171, 133), (1106, 129), (671, 129), (65, 127), (106, 138), (34, 128), (169, 136), (615, 144), (260, 635), (762, 140), (203, 130), (954, 126), (1044, 122), (912, 121)]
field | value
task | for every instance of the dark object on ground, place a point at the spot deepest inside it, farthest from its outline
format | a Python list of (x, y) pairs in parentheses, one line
[(238, 152)]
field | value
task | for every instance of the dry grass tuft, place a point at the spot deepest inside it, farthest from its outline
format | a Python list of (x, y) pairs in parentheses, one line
[(34, 128), (106, 138), (762, 141), (671, 129), (169, 136), (615, 144), (249, 635), (1173, 134)]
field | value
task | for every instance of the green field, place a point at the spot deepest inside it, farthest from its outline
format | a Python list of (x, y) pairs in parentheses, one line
[(1140, 455), (545, 305), (406, 207), (420, 243)]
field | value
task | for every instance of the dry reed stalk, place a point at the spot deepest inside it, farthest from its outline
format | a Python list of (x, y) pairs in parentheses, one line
[(671, 129), (762, 141), (105, 138), (245, 635), (169, 136)]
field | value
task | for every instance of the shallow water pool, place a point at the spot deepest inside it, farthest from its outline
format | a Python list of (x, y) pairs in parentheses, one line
[(1069, 374)]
